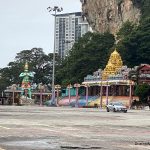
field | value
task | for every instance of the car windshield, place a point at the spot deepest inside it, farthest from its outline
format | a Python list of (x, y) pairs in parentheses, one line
[(118, 104)]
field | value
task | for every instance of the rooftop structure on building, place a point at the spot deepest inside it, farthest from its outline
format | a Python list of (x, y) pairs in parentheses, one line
[(141, 74), (69, 28)]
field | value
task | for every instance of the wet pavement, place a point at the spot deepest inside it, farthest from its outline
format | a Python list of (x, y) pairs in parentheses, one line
[(63, 128)]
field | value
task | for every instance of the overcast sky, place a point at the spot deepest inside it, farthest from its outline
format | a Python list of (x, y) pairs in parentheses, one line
[(25, 24)]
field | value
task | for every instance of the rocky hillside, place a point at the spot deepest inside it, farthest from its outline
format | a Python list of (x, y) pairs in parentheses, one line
[(109, 15)]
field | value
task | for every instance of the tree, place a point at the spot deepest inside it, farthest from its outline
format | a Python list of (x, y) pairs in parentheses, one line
[(135, 47), (145, 5), (89, 54), (126, 30), (38, 62), (142, 91)]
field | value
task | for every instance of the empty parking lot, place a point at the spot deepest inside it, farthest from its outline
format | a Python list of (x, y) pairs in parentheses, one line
[(63, 128)]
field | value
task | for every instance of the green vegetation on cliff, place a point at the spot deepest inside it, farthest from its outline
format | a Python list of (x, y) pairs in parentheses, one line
[(144, 5), (134, 44)]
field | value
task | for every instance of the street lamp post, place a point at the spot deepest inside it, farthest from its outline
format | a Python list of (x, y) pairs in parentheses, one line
[(55, 9), (77, 90)]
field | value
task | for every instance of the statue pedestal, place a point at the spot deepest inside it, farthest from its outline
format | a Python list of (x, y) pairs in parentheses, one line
[(26, 101)]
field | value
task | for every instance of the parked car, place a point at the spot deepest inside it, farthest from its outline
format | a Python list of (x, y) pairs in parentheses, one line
[(116, 106)]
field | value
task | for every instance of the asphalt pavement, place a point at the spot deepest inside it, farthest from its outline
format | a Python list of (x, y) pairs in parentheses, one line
[(64, 128)]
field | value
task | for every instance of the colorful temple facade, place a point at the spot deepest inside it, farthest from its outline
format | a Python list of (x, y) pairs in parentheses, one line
[(28, 93), (112, 83), (104, 86), (115, 83)]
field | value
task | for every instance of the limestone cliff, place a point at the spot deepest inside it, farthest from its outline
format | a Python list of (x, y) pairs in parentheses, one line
[(109, 15)]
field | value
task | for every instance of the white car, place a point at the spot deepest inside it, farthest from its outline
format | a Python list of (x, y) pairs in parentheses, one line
[(116, 106)]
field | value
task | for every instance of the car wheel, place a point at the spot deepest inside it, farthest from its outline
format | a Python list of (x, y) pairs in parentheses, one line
[(107, 109), (114, 110), (125, 111)]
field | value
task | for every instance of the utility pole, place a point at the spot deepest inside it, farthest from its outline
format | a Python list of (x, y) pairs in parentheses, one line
[(54, 9)]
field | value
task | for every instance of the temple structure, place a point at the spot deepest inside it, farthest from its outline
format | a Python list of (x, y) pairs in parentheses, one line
[(112, 83), (28, 93)]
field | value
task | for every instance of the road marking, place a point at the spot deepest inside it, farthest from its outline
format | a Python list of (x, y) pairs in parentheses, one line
[(4, 128)]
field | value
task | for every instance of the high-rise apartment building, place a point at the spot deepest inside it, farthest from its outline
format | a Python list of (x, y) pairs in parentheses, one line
[(69, 28)]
